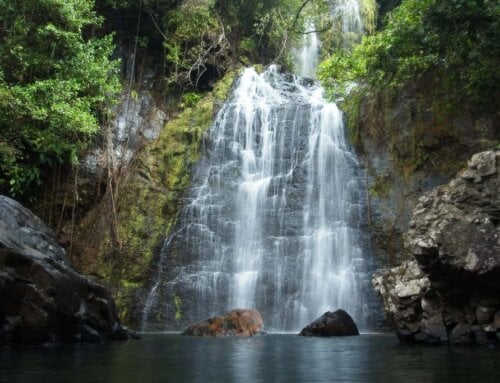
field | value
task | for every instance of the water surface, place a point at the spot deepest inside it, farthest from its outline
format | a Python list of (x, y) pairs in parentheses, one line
[(276, 358)]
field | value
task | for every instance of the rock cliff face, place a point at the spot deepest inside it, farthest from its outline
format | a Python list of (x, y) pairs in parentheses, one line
[(450, 290), (408, 149), (42, 299), (139, 119)]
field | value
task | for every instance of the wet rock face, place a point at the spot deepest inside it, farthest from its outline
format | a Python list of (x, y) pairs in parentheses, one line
[(139, 119), (408, 151), (21, 229), (450, 290), (237, 322), (338, 323), (42, 299)]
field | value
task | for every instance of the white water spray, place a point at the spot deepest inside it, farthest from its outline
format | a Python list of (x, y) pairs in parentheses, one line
[(307, 58)]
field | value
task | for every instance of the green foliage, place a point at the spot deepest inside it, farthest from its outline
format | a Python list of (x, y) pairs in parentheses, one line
[(280, 27), (449, 48), (247, 45), (198, 32), (206, 33), (54, 87), (190, 99), (340, 71), (369, 13), (194, 35), (201, 39)]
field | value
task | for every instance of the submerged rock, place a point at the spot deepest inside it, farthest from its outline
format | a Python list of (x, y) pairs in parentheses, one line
[(449, 292), (239, 322), (338, 323), (42, 299)]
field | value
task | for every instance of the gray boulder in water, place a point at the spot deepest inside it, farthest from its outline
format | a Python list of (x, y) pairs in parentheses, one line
[(43, 300), (338, 323)]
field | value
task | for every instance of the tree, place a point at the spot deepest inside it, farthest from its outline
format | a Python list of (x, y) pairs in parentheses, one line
[(56, 83), (448, 49)]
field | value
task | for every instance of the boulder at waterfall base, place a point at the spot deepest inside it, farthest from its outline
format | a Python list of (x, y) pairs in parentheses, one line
[(449, 292), (42, 299), (338, 323), (239, 322)]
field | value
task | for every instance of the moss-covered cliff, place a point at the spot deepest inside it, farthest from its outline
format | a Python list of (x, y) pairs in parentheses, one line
[(118, 239)]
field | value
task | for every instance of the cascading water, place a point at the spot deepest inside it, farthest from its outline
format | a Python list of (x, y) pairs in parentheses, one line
[(307, 58), (273, 219), (348, 12)]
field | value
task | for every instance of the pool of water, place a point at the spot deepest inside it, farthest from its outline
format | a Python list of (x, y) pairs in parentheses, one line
[(275, 358)]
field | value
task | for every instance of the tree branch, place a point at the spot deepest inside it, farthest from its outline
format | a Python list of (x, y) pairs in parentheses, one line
[(327, 28), (297, 15)]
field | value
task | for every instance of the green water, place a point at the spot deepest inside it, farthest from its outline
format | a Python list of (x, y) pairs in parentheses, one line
[(276, 358)]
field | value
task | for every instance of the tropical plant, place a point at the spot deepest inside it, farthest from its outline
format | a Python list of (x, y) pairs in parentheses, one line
[(56, 82)]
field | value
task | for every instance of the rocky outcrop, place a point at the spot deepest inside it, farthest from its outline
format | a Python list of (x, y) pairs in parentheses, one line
[(139, 119), (338, 323), (450, 290), (42, 299), (408, 149), (237, 322)]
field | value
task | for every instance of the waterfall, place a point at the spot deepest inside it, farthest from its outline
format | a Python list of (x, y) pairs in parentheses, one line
[(274, 218), (307, 58), (348, 12)]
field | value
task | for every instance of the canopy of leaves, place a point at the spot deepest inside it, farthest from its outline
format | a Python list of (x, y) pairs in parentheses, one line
[(194, 39), (271, 26), (200, 39), (55, 84), (203, 33), (203, 36), (450, 48)]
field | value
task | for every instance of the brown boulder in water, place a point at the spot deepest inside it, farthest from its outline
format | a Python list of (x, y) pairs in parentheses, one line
[(239, 322)]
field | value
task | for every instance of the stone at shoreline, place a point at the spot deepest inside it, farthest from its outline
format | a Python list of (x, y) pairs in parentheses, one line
[(42, 299), (239, 322), (449, 291), (338, 323)]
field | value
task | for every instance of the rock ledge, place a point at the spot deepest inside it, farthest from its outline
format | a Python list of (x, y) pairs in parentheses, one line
[(449, 291)]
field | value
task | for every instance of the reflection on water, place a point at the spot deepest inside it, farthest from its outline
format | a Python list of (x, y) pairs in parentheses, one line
[(276, 358)]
